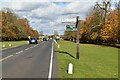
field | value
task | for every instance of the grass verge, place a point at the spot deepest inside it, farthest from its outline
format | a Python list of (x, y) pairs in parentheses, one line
[(13, 43), (95, 61)]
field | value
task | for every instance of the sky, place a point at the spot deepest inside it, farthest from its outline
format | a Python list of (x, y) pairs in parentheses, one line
[(47, 15)]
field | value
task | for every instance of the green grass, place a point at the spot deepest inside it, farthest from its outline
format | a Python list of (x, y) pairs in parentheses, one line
[(13, 43), (95, 61)]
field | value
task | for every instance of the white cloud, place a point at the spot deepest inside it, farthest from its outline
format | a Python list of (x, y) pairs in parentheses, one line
[(50, 12), (46, 16), (78, 7), (23, 6), (43, 0)]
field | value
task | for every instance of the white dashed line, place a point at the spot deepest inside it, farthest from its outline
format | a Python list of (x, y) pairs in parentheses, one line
[(19, 52), (31, 47), (26, 49), (36, 45), (6, 57)]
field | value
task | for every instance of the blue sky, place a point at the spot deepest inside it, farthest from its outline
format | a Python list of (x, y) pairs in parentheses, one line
[(62, 4), (46, 16)]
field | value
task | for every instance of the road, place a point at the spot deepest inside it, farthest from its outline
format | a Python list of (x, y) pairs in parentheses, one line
[(28, 61)]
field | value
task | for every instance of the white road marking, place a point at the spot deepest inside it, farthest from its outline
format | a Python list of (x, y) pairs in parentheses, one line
[(19, 52), (27, 49), (6, 57), (51, 63), (35, 45), (31, 47)]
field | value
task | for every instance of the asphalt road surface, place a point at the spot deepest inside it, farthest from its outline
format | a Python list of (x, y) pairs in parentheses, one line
[(28, 61)]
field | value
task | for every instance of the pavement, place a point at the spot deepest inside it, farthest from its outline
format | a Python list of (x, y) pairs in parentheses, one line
[(29, 61)]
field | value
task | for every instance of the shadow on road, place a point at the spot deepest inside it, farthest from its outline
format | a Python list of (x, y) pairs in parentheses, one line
[(65, 53)]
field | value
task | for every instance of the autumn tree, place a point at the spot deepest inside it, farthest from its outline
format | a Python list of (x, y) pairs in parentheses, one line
[(101, 25), (118, 9), (110, 30), (14, 28), (70, 35), (100, 14)]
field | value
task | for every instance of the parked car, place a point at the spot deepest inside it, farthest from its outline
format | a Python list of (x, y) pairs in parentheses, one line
[(33, 41)]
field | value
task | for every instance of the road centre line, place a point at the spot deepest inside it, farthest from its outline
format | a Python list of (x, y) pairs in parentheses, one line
[(51, 63), (6, 57), (35, 45), (19, 52), (27, 48), (31, 47)]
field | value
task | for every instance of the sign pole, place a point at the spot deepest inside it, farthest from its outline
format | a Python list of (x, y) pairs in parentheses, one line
[(77, 38)]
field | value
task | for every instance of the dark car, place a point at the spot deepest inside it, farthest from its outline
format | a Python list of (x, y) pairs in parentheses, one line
[(44, 39), (33, 41)]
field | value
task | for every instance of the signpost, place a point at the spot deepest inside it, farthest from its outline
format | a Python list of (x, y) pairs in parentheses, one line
[(76, 28), (77, 38)]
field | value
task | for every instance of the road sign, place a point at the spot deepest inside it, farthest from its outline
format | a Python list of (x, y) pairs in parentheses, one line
[(70, 28), (68, 20)]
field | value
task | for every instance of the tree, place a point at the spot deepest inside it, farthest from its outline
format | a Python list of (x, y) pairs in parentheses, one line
[(14, 28), (101, 25), (118, 9), (70, 35), (100, 12)]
